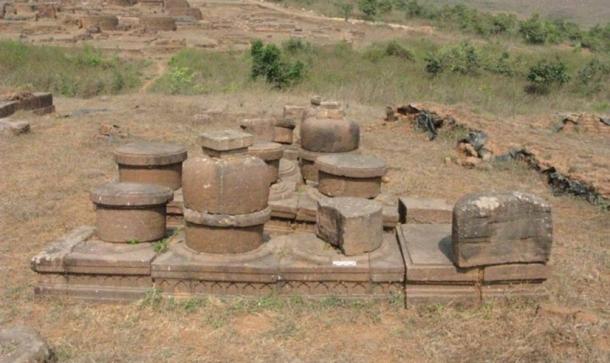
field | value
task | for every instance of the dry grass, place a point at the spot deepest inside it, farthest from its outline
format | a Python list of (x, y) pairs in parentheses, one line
[(44, 187)]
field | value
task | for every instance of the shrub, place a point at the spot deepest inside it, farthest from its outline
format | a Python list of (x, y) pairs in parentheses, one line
[(545, 74), (267, 62), (369, 8), (296, 45), (463, 59), (346, 9), (394, 49), (593, 76), (502, 65), (536, 30)]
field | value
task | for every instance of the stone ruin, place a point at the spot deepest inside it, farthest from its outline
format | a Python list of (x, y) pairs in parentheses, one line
[(243, 219), (20, 344)]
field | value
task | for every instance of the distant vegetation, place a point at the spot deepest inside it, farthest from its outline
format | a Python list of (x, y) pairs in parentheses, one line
[(534, 30), (83, 72), (489, 77)]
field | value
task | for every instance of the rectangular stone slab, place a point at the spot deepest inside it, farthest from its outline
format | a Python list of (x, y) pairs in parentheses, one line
[(182, 263), (97, 257), (428, 255), (52, 258), (516, 272), (98, 288), (424, 210), (462, 295), (497, 292), (386, 263)]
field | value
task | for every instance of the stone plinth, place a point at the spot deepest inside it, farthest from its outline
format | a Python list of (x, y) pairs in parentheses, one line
[(270, 153), (225, 234), (329, 135), (432, 277), (424, 210), (79, 264), (350, 175), (500, 228), (151, 163), (127, 212), (354, 225), (289, 171), (262, 129)]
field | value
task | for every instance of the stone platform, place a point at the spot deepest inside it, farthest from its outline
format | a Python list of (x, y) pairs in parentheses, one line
[(432, 277), (414, 261)]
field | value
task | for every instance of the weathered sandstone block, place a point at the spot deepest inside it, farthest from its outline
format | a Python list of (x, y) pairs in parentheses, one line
[(354, 225), (158, 23), (270, 153), (498, 228), (104, 22), (261, 128), (329, 135), (130, 212), (151, 163), (350, 175)]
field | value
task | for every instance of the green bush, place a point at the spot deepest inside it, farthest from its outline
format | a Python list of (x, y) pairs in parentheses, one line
[(267, 62), (394, 49), (545, 74), (536, 30), (463, 59), (369, 8)]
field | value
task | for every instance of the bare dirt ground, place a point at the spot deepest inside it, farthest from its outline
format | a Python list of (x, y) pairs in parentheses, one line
[(45, 193), (46, 176)]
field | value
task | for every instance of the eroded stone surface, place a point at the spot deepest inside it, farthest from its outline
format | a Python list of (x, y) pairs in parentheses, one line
[(329, 135), (270, 153), (425, 210), (498, 228), (354, 225), (21, 344), (237, 185)]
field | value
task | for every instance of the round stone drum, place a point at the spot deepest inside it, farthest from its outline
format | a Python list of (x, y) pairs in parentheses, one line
[(130, 211), (151, 163), (350, 175)]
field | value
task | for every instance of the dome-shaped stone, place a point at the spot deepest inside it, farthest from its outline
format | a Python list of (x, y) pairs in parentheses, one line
[(329, 135)]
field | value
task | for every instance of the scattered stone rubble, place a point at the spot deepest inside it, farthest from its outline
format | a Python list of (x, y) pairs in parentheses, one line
[(343, 236), (570, 167), (40, 103)]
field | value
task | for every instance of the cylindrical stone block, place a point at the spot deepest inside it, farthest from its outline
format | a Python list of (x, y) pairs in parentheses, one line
[(350, 175), (329, 135), (225, 234), (151, 163), (270, 153), (354, 225), (308, 166), (130, 212), (218, 240)]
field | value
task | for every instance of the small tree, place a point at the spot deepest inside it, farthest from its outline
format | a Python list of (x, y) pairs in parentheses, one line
[(345, 8), (267, 62), (369, 8)]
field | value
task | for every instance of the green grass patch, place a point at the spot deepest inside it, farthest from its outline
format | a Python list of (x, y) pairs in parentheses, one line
[(76, 72), (489, 77)]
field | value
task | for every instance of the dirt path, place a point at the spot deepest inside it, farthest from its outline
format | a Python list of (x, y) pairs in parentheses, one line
[(160, 68)]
